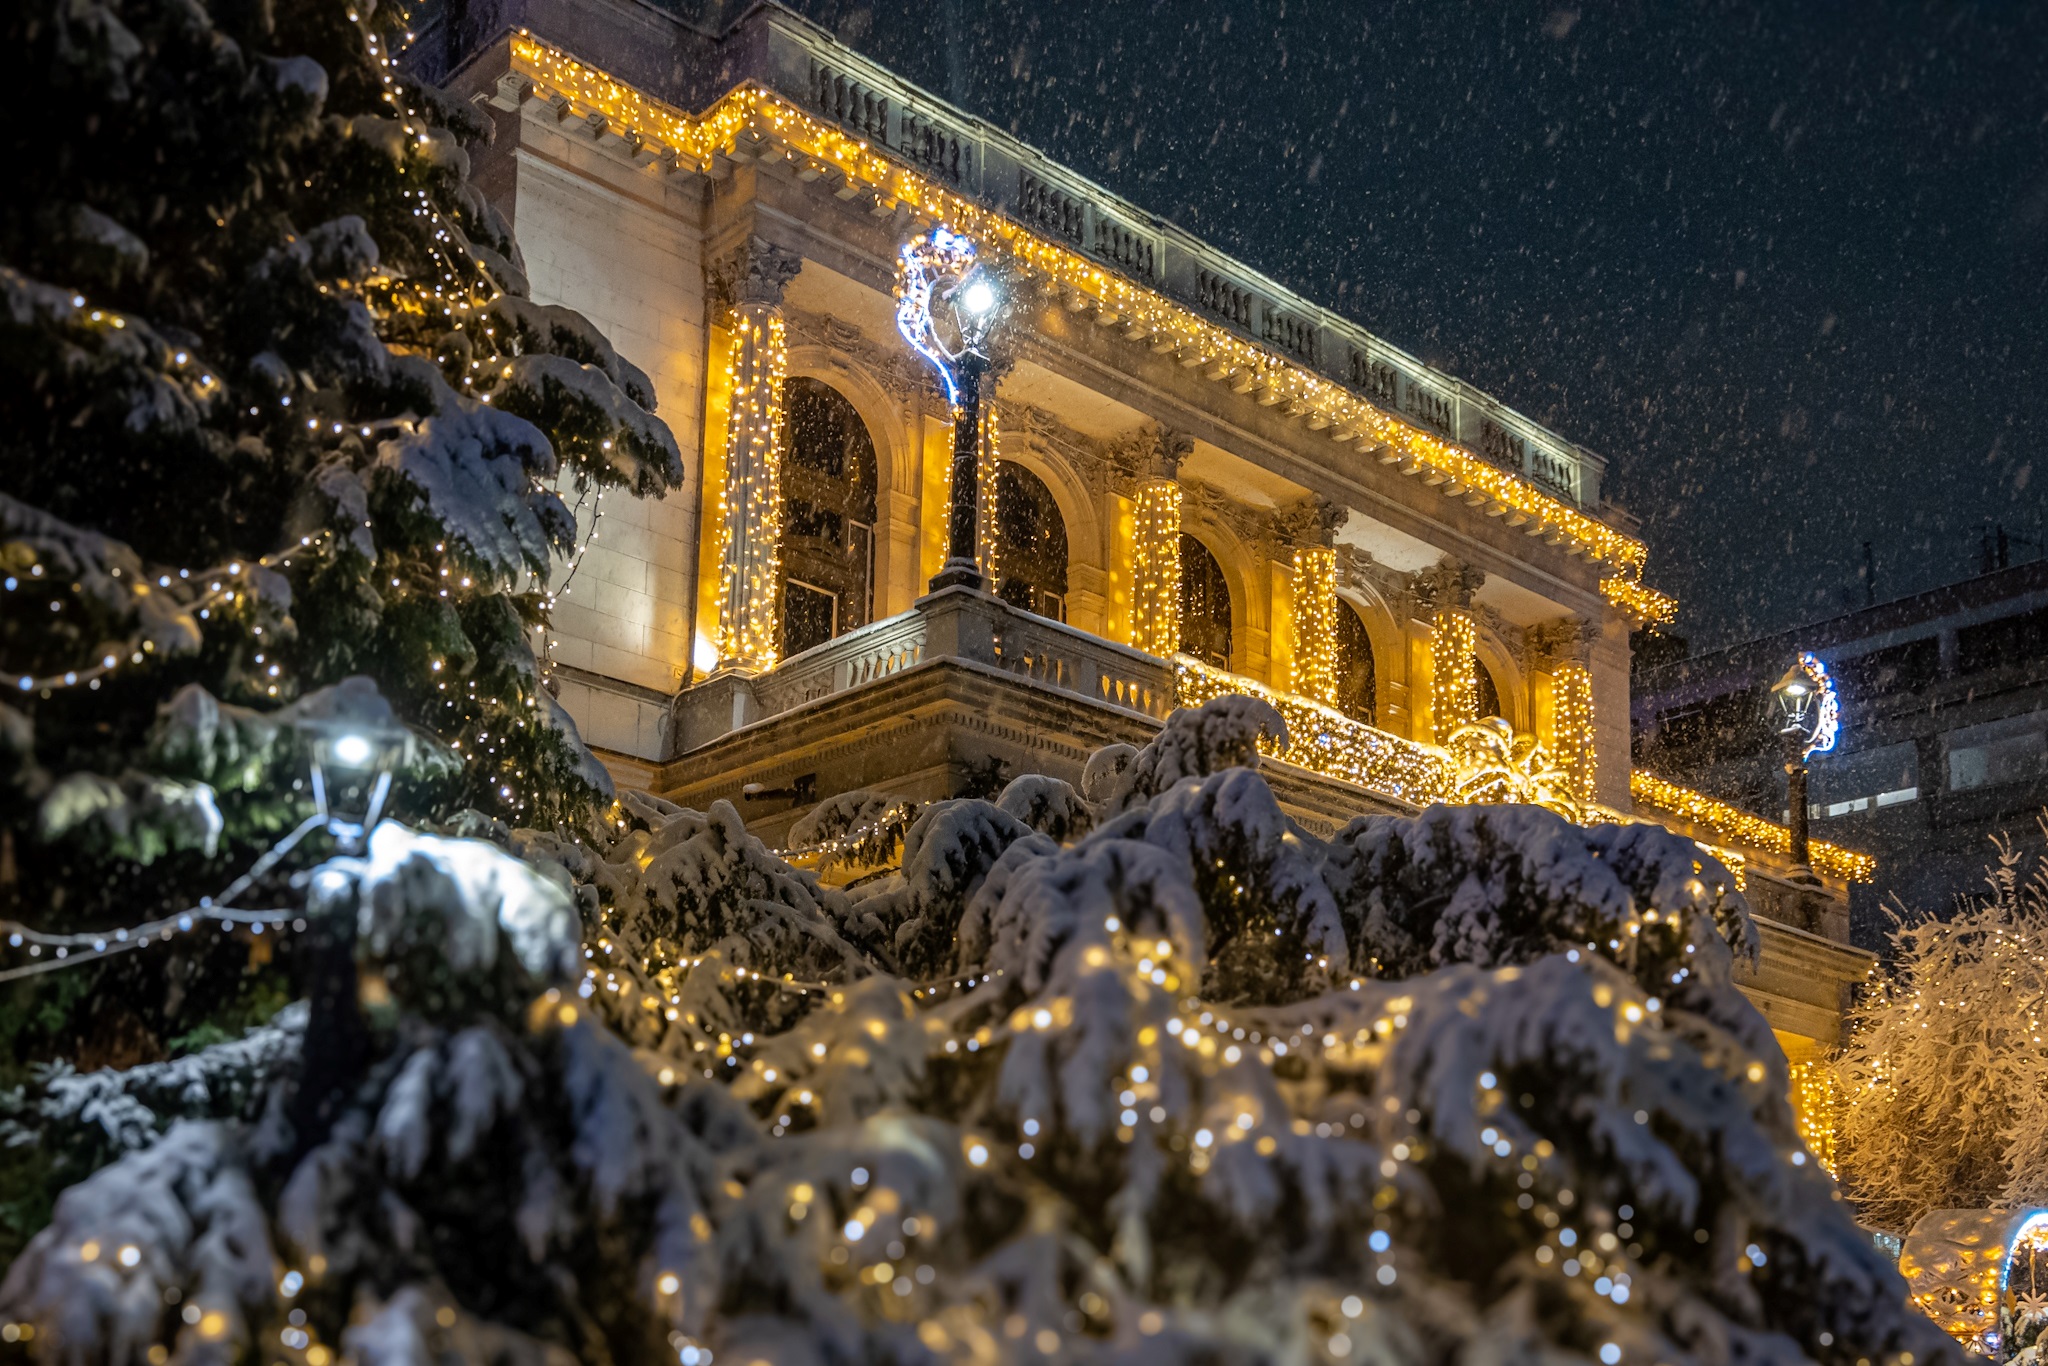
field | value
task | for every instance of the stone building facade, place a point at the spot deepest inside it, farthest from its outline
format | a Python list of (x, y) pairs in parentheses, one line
[(1192, 481)]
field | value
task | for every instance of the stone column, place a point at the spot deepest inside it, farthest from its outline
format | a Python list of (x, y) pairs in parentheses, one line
[(988, 451), (749, 283), (1311, 525), (1155, 549), (1447, 590), (1565, 649)]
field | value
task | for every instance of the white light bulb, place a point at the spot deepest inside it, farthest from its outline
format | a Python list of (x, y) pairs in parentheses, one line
[(353, 750), (978, 298)]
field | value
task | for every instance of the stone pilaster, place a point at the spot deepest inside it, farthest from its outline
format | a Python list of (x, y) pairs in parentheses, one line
[(1565, 650), (1155, 548), (1446, 591), (749, 284)]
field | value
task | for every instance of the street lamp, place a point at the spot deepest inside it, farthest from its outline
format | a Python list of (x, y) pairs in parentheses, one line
[(946, 306), (357, 744), (1811, 717)]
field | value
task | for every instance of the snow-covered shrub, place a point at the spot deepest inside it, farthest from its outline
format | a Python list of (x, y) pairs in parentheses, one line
[(1194, 1086)]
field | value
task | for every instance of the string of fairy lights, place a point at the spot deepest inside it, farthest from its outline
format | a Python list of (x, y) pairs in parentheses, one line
[(1454, 671), (750, 497), (988, 457), (1572, 725), (198, 593), (1571, 1238), (1315, 624), (1730, 823), (1155, 568)]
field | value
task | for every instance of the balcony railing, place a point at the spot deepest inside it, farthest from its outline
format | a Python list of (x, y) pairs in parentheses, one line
[(962, 625)]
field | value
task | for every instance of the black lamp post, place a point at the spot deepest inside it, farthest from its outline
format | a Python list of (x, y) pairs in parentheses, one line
[(1809, 717), (947, 306)]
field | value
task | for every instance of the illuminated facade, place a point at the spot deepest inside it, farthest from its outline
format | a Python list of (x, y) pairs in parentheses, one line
[(1192, 481)]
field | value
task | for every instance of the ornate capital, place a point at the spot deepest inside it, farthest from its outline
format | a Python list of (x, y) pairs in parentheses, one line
[(1310, 521), (755, 272), (1447, 584), (1568, 640)]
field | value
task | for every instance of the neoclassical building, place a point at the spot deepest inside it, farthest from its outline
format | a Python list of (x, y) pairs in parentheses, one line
[(1188, 480)]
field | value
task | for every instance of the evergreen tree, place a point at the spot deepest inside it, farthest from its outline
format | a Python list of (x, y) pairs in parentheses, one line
[(1944, 1077), (1189, 1085), (273, 412)]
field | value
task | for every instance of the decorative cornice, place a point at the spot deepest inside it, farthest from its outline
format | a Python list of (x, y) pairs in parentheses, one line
[(1267, 365)]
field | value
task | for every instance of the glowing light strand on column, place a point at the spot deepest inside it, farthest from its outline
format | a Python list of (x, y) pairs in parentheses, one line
[(1454, 672), (1572, 684), (750, 501), (1315, 624), (1155, 569)]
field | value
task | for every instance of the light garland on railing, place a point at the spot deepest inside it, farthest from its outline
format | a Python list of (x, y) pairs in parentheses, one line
[(1730, 823), (1325, 740), (1155, 569), (855, 161), (750, 500), (1572, 725), (1454, 672), (1315, 624)]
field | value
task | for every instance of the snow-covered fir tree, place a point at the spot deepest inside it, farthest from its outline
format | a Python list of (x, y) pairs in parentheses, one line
[(274, 411), (1147, 1074), (1944, 1078)]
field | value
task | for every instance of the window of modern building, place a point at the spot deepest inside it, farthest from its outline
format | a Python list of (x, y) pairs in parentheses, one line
[(1204, 604), (2014, 750), (1357, 689), (1031, 543), (828, 517), (1844, 784)]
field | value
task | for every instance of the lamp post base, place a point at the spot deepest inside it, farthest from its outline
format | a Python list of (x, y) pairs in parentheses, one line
[(957, 574)]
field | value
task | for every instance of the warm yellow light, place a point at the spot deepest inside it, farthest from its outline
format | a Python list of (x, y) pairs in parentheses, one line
[(1572, 690), (1155, 568), (1315, 624), (750, 504), (1454, 672), (1732, 824)]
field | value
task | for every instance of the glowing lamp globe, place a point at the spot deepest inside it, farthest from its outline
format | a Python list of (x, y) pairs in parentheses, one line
[(1808, 706)]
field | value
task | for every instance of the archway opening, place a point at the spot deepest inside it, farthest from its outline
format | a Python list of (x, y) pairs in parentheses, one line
[(1489, 693), (1031, 543), (828, 517), (1204, 604), (1357, 687)]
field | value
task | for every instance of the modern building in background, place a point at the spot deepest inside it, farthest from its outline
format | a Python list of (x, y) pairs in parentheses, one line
[(1944, 740), (1191, 481)]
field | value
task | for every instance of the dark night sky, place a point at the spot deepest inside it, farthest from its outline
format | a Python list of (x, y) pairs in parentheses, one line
[(1782, 263)]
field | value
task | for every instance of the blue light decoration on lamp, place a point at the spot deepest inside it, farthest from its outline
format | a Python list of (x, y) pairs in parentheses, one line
[(946, 307), (1811, 707)]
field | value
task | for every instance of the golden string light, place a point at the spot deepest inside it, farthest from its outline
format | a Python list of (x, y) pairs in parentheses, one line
[(1454, 672), (824, 150), (1572, 712), (1733, 824), (1640, 601), (750, 501), (1814, 1102), (1315, 623), (1325, 740), (988, 454), (1155, 569)]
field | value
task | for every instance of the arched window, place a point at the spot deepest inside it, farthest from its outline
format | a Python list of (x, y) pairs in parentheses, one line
[(1204, 604), (828, 517), (1489, 695), (1357, 689), (1031, 543)]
